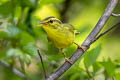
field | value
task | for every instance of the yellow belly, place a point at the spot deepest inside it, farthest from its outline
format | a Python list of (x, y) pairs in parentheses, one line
[(61, 39)]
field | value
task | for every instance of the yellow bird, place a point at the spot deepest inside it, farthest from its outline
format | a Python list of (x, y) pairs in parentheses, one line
[(62, 35)]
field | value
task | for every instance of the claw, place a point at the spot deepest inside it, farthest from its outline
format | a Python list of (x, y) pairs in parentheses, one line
[(81, 48), (68, 60)]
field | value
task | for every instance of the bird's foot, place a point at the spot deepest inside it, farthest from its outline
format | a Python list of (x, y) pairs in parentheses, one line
[(79, 47), (68, 60)]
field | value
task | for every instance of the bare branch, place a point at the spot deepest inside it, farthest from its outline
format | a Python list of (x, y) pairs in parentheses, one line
[(115, 15), (14, 70), (108, 30), (42, 64), (78, 53)]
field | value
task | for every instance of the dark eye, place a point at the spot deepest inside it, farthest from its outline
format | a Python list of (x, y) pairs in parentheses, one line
[(51, 21)]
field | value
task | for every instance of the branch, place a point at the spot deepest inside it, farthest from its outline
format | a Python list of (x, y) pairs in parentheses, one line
[(78, 53), (42, 64), (108, 30), (14, 70), (115, 15)]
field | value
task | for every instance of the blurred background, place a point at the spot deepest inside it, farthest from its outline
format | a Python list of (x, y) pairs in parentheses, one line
[(20, 39)]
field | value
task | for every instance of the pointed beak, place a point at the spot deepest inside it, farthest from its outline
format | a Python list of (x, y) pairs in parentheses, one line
[(41, 23)]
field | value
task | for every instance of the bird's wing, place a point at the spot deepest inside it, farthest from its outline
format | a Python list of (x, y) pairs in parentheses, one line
[(71, 28), (68, 26)]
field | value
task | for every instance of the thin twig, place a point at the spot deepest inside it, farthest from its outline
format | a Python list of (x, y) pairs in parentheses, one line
[(88, 73), (90, 76), (115, 15), (22, 66), (14, 70), (108, 30), (78, 53), (42, 64), (101, 22)]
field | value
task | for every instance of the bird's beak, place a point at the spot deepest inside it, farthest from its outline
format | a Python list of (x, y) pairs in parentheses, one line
[(41, 23)]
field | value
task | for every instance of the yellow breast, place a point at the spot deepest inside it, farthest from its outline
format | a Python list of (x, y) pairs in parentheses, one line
[(60, 38)]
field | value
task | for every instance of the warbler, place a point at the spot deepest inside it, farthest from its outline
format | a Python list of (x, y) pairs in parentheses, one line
[(61, 34)]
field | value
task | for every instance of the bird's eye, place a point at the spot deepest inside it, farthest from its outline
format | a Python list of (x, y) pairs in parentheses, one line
[(51, 21)]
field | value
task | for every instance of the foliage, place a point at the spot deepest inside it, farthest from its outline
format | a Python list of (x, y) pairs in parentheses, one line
[(20, 39)]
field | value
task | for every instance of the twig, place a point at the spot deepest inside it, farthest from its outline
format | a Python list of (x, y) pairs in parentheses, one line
[(108, 30), (42, 64), (14, 70), (115, 15), (22, 66), (101, 22), (87, 42), (88, 73)]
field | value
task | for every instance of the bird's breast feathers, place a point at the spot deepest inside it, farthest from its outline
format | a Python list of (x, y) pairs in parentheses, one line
[(60, 38)]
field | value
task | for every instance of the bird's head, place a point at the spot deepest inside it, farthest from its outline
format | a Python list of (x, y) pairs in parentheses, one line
[(51, 22)]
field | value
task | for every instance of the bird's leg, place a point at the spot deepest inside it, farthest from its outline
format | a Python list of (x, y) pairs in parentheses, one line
[(66, 59), (79, 46), (76, 33)]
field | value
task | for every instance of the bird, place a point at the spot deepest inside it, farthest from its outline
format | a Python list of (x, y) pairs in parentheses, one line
[(60, 34)]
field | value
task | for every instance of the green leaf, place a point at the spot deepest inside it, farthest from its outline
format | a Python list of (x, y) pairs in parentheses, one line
[(25, 3), (5, 9), (30, 49), (12, 31), (76, 76), (109, 68), (91, 56), (26, 58), (42, 2), (14, 52), (3, 34), (117, 76), (26, 38), (19, 54), (96, 67), (9, 32)]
